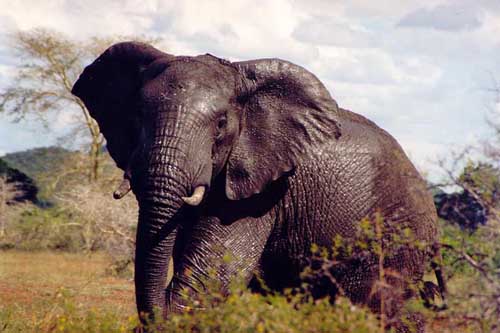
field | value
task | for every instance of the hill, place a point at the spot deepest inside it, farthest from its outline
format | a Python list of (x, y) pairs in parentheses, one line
[(54, 169), (37, 161), (23, 186), (44, 165)]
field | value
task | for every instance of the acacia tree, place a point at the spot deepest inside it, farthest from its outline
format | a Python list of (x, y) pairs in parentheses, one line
[(48, 65)]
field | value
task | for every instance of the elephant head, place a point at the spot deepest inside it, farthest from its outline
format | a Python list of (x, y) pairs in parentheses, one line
[(179, 126)]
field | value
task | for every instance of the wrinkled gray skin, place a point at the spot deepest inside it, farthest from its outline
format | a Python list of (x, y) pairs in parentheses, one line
[(282, 166)]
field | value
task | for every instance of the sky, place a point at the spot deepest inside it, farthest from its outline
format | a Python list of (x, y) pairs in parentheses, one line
[(422, 70)]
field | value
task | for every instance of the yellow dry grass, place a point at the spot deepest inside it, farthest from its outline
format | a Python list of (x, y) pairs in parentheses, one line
[(34, 278)]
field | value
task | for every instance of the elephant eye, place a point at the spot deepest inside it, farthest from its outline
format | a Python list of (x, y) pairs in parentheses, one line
[(221, 126), (221, 123)]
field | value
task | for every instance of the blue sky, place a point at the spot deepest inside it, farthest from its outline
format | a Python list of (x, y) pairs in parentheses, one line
[(419, 69)]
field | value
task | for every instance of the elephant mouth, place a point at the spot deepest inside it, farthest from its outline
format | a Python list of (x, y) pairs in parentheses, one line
[(193, 200)]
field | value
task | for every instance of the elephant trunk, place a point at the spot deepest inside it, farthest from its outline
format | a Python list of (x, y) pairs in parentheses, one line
[(160, 202), (154, 246), (174, 176)]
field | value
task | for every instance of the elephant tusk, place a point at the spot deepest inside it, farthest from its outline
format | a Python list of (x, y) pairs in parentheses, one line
[(196, 197), (123, 189)]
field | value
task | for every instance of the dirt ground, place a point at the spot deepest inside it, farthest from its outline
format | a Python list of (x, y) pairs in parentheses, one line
[(34, 278)]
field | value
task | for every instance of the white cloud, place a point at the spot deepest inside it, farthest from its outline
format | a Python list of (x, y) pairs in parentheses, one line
[(230, 28), (449, 17), (387, 9), (325, 30), (420, 84), (375, 66), (489, 33), (81, 18), (415, 149)]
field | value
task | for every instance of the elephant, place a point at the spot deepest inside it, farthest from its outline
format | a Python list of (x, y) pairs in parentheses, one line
[(254, 159)]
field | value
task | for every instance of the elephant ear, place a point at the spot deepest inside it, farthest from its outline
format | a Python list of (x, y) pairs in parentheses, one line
[(287, 113), (109, 89)]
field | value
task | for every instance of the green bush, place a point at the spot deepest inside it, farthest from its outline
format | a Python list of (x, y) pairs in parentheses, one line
[(247, 312), (36, 228), (472, 266)]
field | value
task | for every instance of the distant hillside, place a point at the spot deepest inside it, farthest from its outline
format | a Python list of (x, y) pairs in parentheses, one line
[(54, 169), (43, 165), (24, 186), (38, 161)]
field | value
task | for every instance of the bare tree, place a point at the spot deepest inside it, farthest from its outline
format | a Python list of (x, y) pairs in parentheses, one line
[(49, 64), (104, 223)]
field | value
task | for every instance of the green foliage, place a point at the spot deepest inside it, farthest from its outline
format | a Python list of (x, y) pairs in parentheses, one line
[(236, 309), (483, 179), (36, 228), (472, 264), (471, 255), (246, 312)]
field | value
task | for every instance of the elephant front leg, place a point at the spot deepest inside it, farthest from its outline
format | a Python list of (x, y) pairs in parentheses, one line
[(215, 254)]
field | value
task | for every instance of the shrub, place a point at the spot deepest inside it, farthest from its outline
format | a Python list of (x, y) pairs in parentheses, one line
[(243, 311), (471, 260), (34, 228)]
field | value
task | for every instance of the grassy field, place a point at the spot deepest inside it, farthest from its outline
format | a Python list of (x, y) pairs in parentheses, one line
[(43, 291), (65, 292)]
